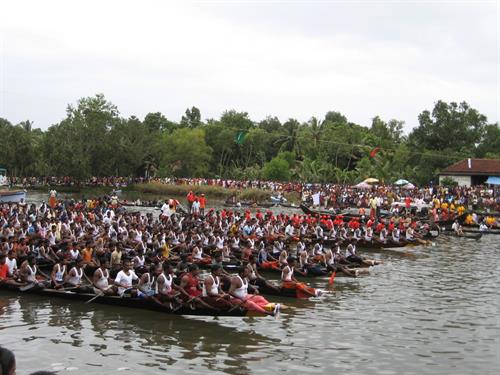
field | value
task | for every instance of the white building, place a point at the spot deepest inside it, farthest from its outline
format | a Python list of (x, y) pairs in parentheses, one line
[(470, 172)]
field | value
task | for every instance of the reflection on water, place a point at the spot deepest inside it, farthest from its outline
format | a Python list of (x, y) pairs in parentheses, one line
[(130, 337)]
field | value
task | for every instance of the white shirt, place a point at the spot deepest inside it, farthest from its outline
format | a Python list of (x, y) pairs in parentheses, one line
[(12, 265), (123, 279), (214, 289), (242, 291)]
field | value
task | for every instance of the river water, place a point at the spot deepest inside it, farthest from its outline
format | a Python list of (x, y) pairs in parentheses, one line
[(426, 310)]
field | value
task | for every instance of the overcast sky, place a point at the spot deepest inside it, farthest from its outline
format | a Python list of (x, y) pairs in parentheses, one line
[(284, 58)]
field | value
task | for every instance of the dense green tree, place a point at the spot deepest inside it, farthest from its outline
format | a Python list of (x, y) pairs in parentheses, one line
[(270, 124), (191, 118), (276, 169), (185, 153), (94, 140), (490, 144), (157, 122), (449, 127)]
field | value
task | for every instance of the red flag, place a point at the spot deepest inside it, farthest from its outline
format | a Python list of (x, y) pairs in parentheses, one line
[(374, 152), (332, 277)]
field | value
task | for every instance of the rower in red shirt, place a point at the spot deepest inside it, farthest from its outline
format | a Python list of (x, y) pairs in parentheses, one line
[(379, 227), (4, 269), (190, 283)]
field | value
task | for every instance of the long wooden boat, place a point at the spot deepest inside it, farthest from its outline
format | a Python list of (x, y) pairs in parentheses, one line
[(313, 211), (136, 303), (346, 214), (374, 243), (250, 204), (320, 272), (12, 196), (281, 292), (140, 205), (471, 236), (489, 231)]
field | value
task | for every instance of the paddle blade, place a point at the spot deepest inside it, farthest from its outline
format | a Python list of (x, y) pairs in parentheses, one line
[(332, 278)]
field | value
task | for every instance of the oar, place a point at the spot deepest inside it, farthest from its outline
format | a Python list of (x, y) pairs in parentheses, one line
[(332, 278), (184, 304), (95, 297)]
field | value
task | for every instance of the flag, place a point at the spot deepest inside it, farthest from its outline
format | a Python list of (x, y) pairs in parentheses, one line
[(374, 152), (240, 138)]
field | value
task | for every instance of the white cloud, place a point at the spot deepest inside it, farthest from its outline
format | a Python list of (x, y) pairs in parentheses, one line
[(291, 59)]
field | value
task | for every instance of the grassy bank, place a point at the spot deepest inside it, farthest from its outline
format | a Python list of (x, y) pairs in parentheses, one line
[(158, 191), (211, 192)]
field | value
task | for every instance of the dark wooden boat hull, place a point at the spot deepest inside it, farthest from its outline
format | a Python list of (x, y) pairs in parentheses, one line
[(137, 303), (323, 272), (283, 292), (250, 204), (471, 236), (490, 231), (332, 214)]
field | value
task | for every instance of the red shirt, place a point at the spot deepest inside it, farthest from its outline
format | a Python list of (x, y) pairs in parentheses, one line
[(3, 271), (407, 202), (192, 286)]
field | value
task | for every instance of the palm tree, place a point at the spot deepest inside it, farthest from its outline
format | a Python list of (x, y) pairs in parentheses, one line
[(288, 141), (316, 129)]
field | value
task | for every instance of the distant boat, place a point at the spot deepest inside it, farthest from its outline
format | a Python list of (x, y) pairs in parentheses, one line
[(278, 199), (9, 196), (12, 196)]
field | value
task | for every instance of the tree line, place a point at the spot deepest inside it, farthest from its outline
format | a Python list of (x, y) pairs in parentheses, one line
[(94, 140)]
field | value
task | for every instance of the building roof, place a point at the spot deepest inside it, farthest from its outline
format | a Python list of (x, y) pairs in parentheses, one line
[(483, 167)]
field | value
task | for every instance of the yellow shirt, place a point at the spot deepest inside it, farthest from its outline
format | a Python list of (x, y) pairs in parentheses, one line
[(165, 253), (490, 220), (437, 203)]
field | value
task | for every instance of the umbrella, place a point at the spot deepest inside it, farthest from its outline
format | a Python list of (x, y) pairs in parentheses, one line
[(370, 180), (363, 185), (409, 186), (401, 182)]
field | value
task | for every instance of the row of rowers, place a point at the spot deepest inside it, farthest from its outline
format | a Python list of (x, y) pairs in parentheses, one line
[(215, 230), (171, 287)]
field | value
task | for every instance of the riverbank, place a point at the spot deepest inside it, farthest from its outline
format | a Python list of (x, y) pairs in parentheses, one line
[(160, 191), (210, 191)]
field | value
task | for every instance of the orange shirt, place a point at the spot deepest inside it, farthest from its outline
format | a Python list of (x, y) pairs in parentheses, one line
[(203, 202), (87, 254)]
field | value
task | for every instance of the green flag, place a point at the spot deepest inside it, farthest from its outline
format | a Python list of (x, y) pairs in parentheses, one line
[(240, 138)]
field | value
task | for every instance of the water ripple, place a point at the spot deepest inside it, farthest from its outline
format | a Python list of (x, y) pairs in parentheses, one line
[(434, 312)]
